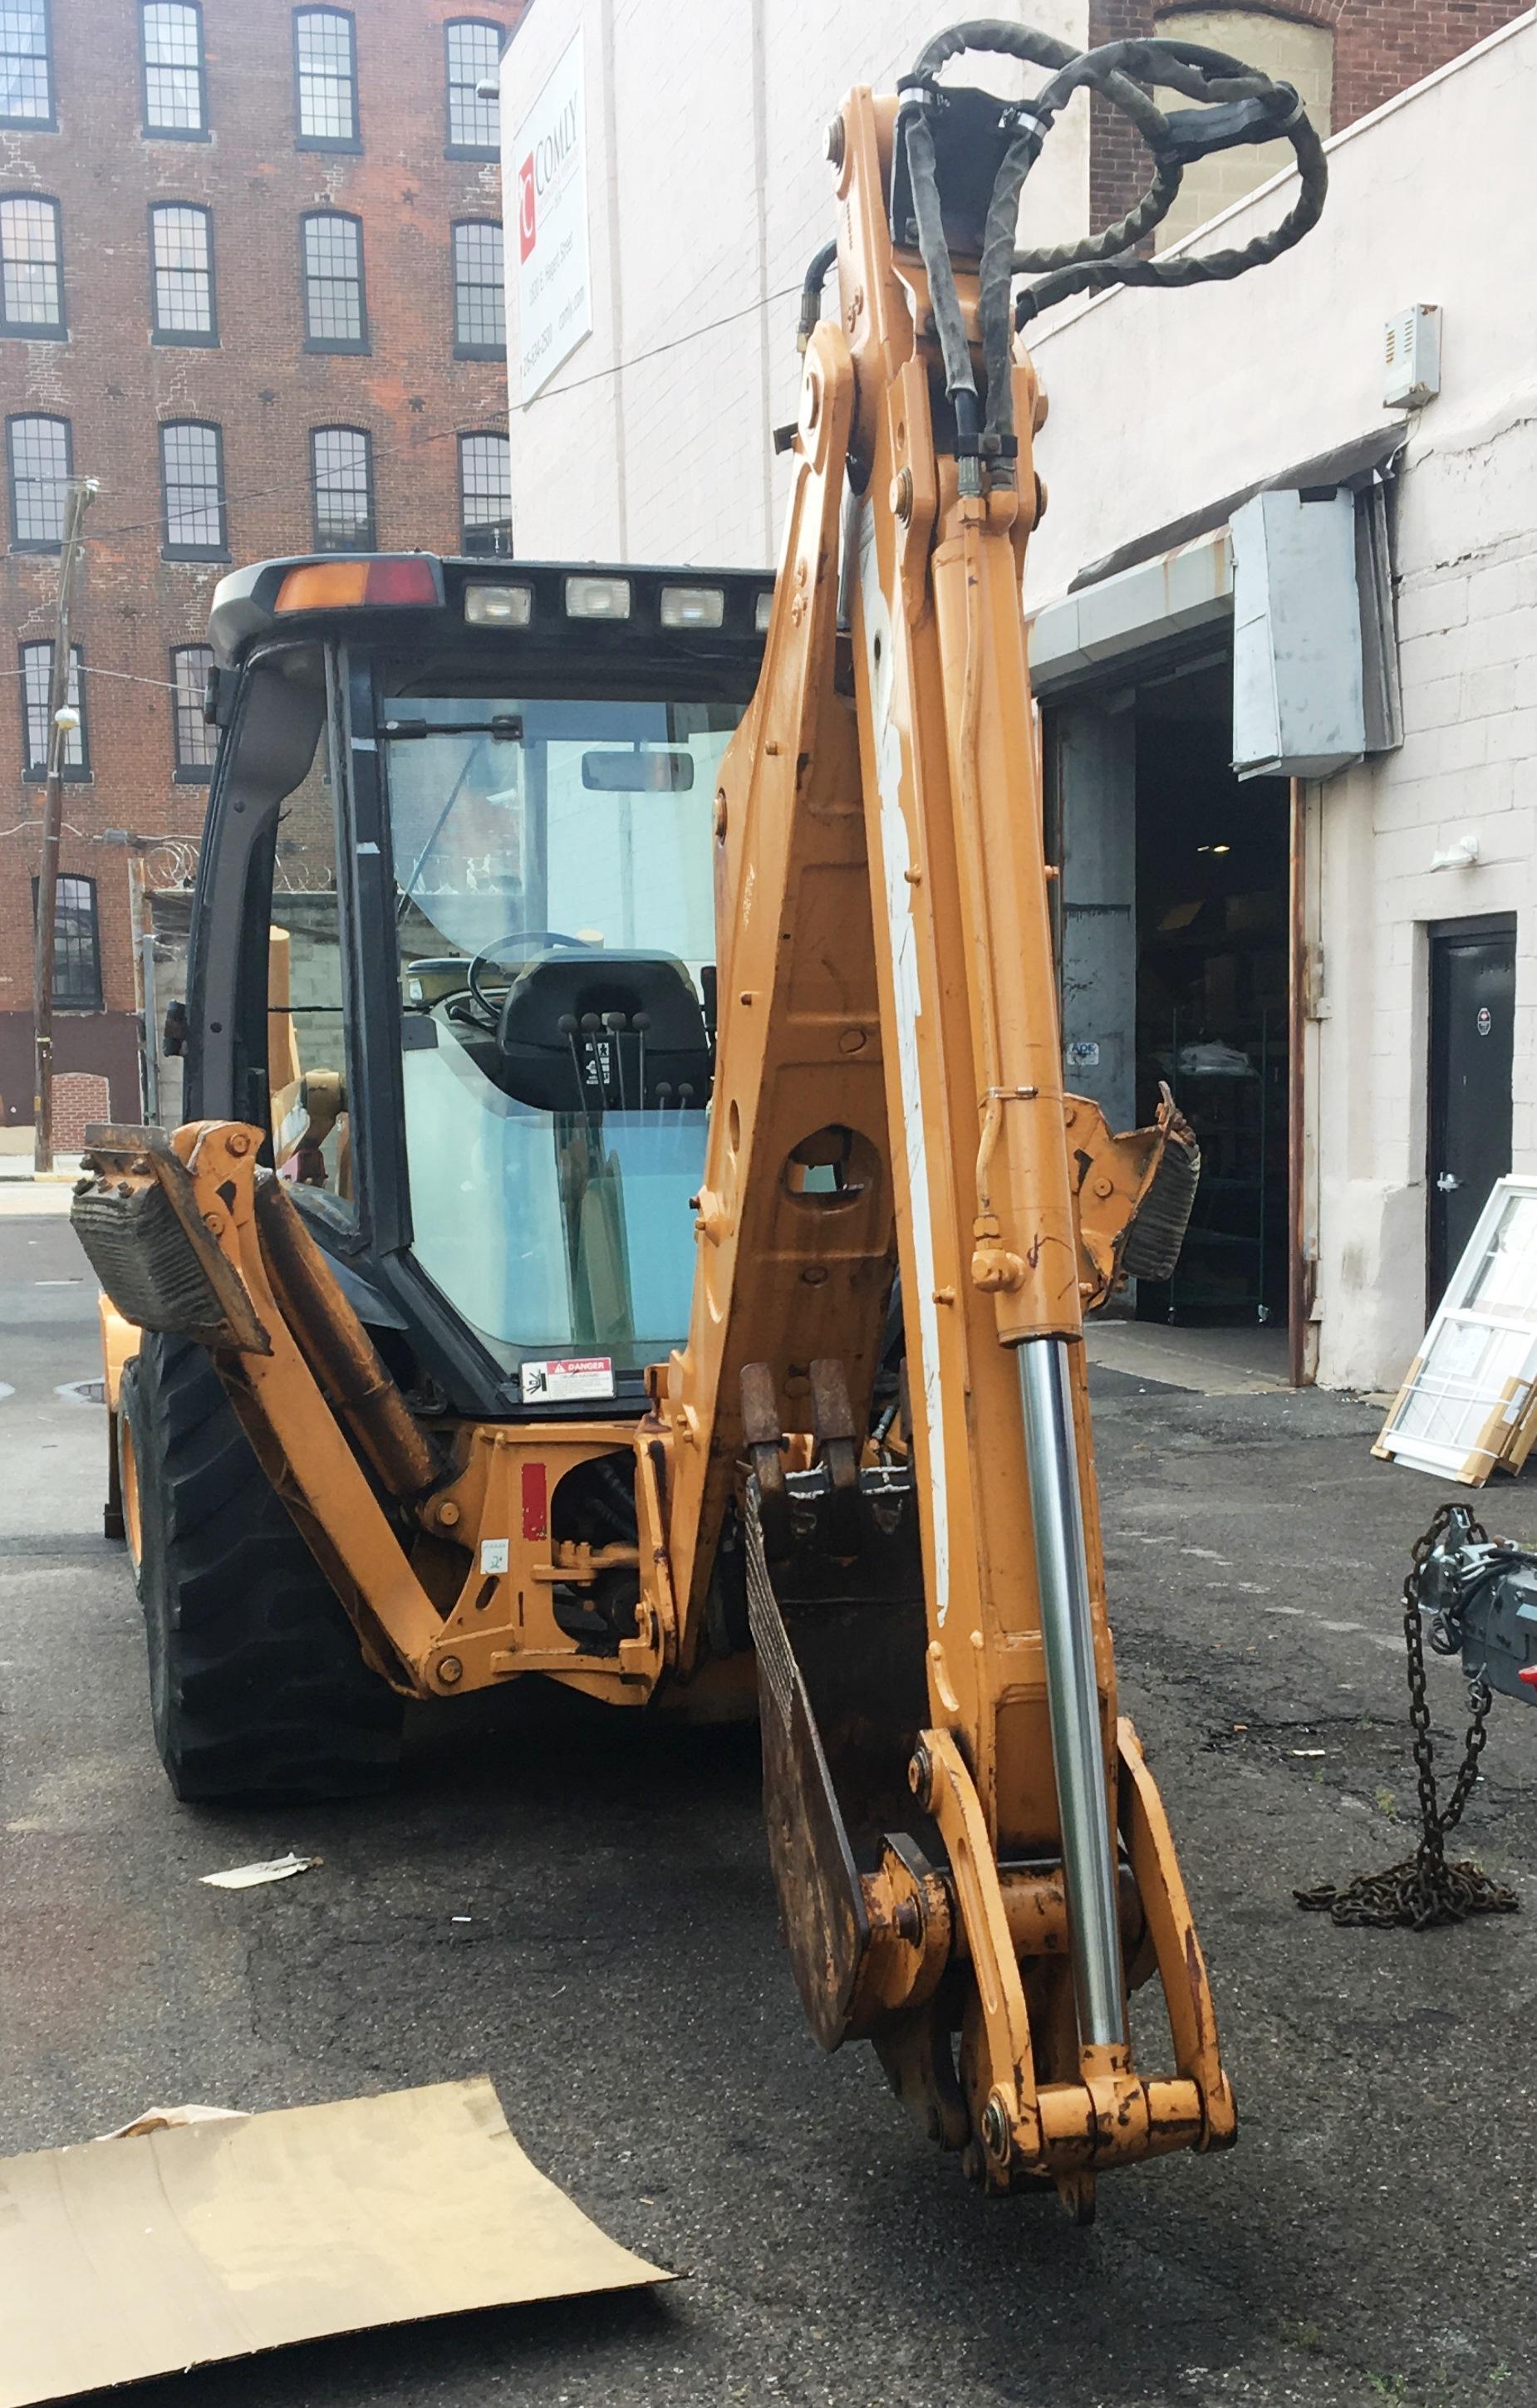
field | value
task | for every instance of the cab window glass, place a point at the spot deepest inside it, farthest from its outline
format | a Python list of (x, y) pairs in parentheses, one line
[(305, 1007), (555, 913)]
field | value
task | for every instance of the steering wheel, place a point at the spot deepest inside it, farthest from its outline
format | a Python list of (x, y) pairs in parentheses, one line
[(539, 938)]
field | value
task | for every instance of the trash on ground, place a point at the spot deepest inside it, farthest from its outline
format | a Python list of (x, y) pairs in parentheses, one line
[(216, 2238), (272, 1868), (1310, 1751), (167, 2119)]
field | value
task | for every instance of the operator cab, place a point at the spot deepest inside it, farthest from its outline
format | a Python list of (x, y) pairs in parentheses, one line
[(473, 802)]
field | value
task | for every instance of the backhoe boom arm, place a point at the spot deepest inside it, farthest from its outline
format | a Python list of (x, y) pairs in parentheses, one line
[(972, 1861)]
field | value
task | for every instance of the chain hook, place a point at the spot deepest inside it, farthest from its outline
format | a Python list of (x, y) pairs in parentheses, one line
[(1425, 1890)]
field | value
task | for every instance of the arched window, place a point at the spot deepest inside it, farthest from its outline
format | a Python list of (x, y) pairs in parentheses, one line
[(335, 315), (479, 323), (181, 273), (325, 80), (473, 50), (31, 266), (191, 461), (485, 493), (171, 51), (341, 483), (38, 457), (26, 66), (193, 739), (37, 686), (77, 942), (1281, 48)]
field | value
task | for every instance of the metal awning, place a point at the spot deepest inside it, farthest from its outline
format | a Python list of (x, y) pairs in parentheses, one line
[(1153, 597), (1154, 605), (1351, 464)]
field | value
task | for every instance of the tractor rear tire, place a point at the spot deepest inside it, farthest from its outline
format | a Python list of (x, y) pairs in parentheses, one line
[(258, 1688)]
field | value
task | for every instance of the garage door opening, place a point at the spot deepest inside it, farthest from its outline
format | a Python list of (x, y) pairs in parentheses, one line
[(1212, 930), (1174, 949)]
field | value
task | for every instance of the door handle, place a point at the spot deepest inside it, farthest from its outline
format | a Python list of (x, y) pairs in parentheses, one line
[(1447, 1182)]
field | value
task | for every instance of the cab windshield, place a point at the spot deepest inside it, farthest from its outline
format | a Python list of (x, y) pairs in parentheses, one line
[(555, 926)]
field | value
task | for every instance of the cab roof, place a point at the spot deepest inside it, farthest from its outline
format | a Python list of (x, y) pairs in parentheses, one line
[(641, 607)]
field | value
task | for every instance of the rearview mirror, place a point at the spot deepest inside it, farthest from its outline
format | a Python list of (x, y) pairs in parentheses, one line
[(653, 772)]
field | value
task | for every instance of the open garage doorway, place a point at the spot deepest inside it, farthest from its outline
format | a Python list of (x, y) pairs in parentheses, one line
[(1174, 951)]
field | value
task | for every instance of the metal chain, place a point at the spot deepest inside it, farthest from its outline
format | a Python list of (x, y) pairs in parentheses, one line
[(1425, 1890)]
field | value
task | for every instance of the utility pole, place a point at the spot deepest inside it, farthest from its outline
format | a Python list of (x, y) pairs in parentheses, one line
[(78, 494)]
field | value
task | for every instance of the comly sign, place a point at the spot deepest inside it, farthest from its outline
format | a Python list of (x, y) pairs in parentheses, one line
[(554, 282)]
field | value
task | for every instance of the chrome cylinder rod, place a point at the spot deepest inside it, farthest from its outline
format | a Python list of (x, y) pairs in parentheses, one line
[(1072, 1689)]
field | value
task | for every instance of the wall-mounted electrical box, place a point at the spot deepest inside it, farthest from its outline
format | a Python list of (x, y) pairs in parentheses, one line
[(1298, 708), (1411, 357)]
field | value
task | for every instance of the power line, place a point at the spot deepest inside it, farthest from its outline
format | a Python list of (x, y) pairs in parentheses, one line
[(265, 493), (128, 677), (84, 668), (448, 434), (559, 392), (68, 826)]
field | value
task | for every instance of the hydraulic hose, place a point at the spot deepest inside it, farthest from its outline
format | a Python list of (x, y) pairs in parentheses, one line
[(1241, 106), (811, 290), (960, 381)]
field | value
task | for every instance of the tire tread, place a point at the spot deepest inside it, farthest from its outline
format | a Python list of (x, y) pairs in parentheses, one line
[(259, 1688)]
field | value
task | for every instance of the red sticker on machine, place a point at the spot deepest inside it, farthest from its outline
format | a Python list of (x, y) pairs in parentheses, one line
[(536, 1500)]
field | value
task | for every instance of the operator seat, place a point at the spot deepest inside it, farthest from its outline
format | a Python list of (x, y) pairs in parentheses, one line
[(594, 1032)]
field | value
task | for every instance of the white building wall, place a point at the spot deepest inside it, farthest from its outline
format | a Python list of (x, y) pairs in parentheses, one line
[(1163, 403), (708, 194)]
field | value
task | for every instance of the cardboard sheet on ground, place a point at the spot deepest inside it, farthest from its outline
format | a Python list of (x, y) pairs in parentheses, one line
[(123, 2258)]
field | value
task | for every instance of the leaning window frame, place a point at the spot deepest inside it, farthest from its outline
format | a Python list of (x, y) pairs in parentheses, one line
[(49, 123), (202, 131), (177, 338), (39, 330), (303, 141)]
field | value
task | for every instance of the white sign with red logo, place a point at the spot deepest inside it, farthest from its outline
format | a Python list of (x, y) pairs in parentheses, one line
[(549, 159), (568, 1379)]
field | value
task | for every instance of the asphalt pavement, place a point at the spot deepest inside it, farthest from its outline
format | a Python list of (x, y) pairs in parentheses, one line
[(1368, 2240)]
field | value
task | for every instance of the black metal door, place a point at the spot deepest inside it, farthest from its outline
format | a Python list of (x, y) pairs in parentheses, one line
[(1472, 998)]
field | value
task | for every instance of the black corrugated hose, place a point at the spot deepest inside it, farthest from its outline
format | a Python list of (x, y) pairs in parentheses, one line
[(1240, 106)]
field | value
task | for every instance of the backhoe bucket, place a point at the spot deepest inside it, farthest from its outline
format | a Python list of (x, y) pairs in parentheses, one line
[(839, 1643)]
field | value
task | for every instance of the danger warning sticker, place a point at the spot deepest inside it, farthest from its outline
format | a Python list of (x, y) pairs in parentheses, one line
[(571, 1379)]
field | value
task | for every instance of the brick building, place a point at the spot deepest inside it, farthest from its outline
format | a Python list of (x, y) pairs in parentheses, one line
[(251, 282)]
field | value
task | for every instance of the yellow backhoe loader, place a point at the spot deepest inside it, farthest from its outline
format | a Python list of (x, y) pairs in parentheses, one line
[(630, 1227)]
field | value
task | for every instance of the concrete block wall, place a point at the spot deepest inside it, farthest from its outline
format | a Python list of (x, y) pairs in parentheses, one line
[(708, 192)]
